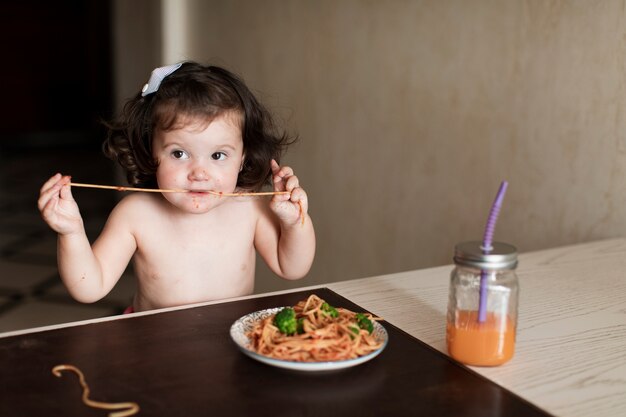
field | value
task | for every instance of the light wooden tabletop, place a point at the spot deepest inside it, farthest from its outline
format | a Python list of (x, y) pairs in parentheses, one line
[(570, 355)]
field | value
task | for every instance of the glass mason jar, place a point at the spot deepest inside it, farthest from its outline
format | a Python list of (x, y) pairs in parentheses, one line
[(482, 304)]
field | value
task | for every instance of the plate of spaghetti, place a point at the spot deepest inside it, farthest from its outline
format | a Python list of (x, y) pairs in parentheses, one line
[(310, 336)]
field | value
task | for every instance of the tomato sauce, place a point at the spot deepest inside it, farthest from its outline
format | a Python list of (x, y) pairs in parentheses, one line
[(490, 343)]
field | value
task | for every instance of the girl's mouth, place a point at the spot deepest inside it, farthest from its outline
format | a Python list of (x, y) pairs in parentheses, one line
[(206, 193)]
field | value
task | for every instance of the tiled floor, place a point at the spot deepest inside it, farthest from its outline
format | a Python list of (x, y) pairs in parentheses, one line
[(31, 293)]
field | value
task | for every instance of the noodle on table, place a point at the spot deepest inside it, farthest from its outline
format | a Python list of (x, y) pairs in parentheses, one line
[(126, 408), (324, 338)]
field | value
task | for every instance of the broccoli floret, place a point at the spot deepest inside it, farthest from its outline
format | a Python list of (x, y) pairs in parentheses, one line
[(286, 321), (364, 322), (329, 310), (300, 326)]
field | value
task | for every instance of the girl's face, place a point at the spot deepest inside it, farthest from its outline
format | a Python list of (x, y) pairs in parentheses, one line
[(199, 157)]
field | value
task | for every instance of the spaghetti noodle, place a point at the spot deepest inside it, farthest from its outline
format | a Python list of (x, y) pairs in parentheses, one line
[(127, 408), (161, 190), (323, 337), (175, 190)]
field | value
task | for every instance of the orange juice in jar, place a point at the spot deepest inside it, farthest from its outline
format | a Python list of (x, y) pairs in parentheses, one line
[(482, 305)]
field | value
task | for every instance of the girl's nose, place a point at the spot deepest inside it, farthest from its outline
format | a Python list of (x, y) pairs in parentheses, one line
[(198, 173)]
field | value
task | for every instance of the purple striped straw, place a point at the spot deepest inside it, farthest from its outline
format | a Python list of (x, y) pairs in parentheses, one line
[(487, 248)]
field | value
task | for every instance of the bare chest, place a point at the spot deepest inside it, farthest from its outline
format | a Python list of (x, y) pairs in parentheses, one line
[(180, 264)]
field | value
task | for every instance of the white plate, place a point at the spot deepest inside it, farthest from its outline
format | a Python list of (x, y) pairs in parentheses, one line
[(243, 325)]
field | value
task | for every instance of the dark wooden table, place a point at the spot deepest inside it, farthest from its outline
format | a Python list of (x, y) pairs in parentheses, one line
[(183, 363)]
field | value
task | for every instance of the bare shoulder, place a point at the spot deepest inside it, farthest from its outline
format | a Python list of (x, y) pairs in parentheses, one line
[(135, 206), (261, 209), (266, 221)]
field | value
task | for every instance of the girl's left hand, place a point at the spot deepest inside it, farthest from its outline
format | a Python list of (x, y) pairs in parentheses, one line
[(290, 208)]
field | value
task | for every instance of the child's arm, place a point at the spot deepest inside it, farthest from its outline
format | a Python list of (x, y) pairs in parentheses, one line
[(286, 239), (87, 274)]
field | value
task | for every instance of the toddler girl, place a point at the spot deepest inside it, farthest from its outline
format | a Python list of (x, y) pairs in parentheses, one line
[(197, 129)]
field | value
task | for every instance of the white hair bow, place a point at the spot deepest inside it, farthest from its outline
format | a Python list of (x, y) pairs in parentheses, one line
[(157, 76)]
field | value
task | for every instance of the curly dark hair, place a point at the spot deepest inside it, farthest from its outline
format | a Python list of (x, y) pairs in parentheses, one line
[(194, 91)]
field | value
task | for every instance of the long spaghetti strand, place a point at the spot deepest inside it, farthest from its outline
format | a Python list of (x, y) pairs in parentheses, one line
[(129, 408), (180, 190), (174, 190)]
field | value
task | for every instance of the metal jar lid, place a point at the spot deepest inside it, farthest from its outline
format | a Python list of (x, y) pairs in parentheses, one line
[(502, 256)]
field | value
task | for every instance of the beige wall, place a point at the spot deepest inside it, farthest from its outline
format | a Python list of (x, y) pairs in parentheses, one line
[(411, 113), (137, 44)]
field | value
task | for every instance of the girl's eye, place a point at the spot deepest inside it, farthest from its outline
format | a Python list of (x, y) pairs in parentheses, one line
[(219, 156), (178, 154)]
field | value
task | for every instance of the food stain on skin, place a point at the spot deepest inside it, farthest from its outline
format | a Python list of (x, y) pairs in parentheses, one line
[(301, 212)]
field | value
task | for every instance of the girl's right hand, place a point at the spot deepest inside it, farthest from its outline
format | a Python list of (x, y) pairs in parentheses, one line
[(57, 206)]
